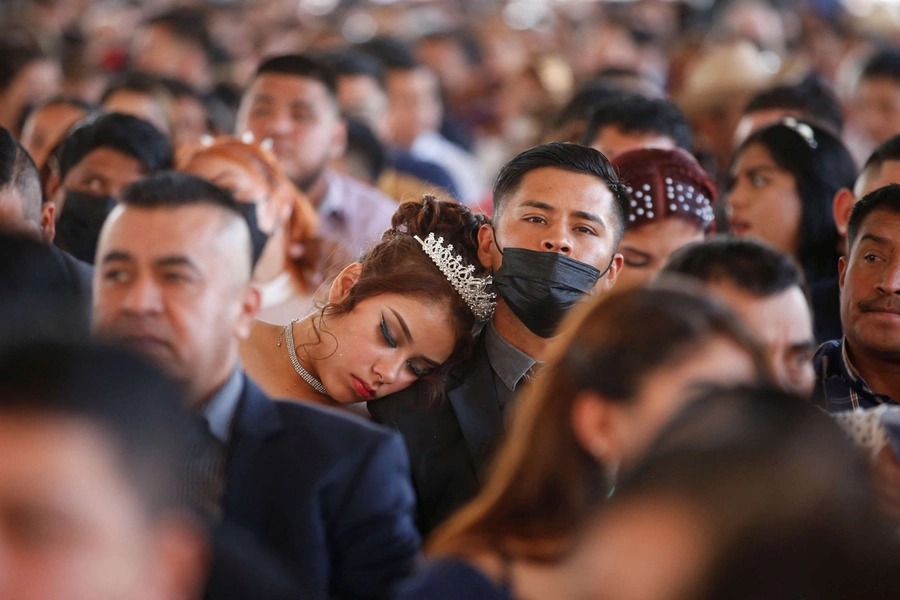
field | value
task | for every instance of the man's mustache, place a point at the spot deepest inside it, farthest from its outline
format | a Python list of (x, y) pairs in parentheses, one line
[(890, 304)]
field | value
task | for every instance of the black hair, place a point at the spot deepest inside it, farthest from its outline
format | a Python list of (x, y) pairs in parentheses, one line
[(134, 81), (812, 98), (188, 25), (581, 105), (130, 404), (15, 56), (171, 189), (391, 52), (306, 66), (568, 157), (749, 265), (885, 198), (18, 170), (820, 166), (884, 64), (888, 151), (126, 134), (353, 62), (179, 89), (364, 147), (638, 113), (464, 40)]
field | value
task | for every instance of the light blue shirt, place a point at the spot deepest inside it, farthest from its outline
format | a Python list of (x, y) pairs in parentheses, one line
[(219, 411)]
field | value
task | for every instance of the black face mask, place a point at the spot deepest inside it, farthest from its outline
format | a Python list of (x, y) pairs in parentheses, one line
[(541, 287), (258, 238), (78, 228)]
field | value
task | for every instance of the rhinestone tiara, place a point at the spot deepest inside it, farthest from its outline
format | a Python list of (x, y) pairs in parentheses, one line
[(472, 289)]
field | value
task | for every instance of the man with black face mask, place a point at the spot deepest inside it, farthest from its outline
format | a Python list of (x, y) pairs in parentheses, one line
[(559, 213), (97, 159)]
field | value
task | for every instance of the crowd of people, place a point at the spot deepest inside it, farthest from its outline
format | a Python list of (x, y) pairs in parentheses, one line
[(449, 300)]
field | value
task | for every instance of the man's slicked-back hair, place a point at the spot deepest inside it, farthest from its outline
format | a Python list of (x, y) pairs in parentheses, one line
[(136, 411), (306, 66), (886, 198), (574, 158), (636, 113), (18, 170), (125, 134), (884, 64), (749, 265)]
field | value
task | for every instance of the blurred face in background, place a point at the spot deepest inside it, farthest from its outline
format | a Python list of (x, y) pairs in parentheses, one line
[(415, 104), (46, 127), (647, 248), (39, 80), (877, 108)]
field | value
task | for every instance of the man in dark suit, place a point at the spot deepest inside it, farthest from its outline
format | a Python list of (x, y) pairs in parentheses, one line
[(326, 494), (559, 213), (22, 212)]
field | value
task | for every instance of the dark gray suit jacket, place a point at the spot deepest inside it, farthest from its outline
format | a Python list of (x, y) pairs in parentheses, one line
[(449, 445)]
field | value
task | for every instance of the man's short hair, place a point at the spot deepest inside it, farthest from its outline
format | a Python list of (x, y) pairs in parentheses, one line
[(888, 151), (132, 406), (126, 134), (139, 83), (391, 52), (636, 113), (464, 39), (301, 65), (172, 189), (749, 265), (812, 98), (886, 198), (17, 170), (568, 157), (353, 62), (63, 100), (585, 100), (884, 64)]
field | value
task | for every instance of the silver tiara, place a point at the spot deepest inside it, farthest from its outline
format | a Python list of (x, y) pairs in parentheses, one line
[(803, 130), (472, 289)]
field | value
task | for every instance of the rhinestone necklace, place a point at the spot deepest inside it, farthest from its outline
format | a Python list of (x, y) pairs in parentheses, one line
[(288, 334)]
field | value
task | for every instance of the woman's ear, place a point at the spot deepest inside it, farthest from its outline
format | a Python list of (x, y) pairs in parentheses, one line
[(344, 282)]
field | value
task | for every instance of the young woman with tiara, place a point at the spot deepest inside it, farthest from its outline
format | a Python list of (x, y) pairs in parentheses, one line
[(408, 311)]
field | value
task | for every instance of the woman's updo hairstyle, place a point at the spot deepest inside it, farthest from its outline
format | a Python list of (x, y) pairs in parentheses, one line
[(399, 265)]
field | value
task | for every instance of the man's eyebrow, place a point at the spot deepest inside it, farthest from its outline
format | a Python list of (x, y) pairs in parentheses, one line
[(403, 325), (117, 255), (539, 205), (580, 214), (803, 346), (875, 238)]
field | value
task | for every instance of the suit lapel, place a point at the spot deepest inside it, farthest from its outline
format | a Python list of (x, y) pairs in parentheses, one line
[(478, 411), (257, 419)]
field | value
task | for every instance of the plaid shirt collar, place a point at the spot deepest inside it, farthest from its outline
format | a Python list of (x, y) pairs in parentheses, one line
[(841, 382)]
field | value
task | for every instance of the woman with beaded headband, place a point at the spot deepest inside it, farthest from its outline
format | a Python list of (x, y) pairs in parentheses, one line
[(282, 221), (782, 185), (408, 311), (671, 206)]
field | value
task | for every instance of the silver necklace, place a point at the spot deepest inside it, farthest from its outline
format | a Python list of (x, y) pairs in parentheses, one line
[(288, 334)]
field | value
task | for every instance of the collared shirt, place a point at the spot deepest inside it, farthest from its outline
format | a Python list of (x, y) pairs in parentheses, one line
[(219, 411), (509, 366), (354, 215), (839, 384)]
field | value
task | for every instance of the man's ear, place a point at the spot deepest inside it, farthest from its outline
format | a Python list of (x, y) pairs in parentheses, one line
[(55, 192), (251, 303), (608, 281), (842, 270), (593, 424), (486, 246), (344, 282), (841, 207), (48, 222)]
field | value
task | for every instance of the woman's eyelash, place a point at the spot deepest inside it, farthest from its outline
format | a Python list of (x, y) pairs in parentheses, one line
[(387, 334)]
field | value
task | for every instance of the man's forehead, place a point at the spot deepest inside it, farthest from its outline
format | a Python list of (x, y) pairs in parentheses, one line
[(874, 178), (166, 229), (296, 86), (561, 187)]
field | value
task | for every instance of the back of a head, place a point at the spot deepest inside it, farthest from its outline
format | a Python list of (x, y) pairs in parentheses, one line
[(126, 134), (391, 52), (304, 66), (886, 198), (749, 265), (812, 99), (136, 411), (884, 64), (889, 151), (19, 175), (350, 63), (189, 26), (568, 157), (636, 113)]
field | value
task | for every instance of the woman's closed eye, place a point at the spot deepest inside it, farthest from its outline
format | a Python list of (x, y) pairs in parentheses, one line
[(386, 333)]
